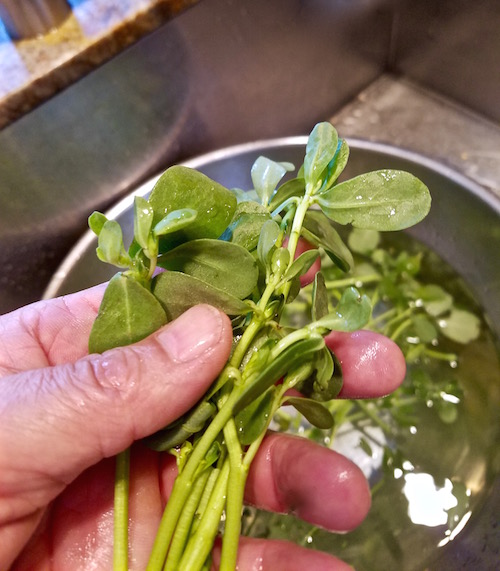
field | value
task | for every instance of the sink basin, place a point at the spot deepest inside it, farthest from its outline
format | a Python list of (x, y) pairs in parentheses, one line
[(463, 228)]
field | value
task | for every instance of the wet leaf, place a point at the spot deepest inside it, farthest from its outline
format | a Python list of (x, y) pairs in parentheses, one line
[(315, 412), (318, 230), (319, 303), (320, 149), (246, 225), (293, 187), (181, 187), (380, 200), (267, 240), (288, 359), (174, 221), (253, 419), (435, 299), (460, 326), (266, 174), (352, 313), (177, 292), (143, 221), (226, 266), (128, 313)]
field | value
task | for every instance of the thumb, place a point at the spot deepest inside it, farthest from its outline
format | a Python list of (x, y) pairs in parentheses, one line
[(58, 421)]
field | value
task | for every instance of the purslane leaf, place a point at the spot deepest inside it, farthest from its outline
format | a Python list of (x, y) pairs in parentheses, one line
[(96, 221), (143, 221), (380, 200), (318, 230), (352, 312), (287, 360), (319, 304), (175, 220), (266, 174), (315, 412), (269, 234), (128, 313), (246, 225), (321, 148), (253, 419), (294, 187), (110, 247), (181, 187), (224, 265), (337, 164), (177, 292)]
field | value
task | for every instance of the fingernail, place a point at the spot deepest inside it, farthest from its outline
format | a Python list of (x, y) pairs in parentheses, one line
[(192, 334)]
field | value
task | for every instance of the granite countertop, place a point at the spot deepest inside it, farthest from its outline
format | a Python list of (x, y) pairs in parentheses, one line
[(32, 70)]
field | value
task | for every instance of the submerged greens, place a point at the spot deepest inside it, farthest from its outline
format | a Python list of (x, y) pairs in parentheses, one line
[(197, 242)]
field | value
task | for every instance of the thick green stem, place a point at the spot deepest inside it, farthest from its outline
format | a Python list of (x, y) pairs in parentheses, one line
[(184, 482), (200, 544), (122, 478), (234, 504), (185, 523)]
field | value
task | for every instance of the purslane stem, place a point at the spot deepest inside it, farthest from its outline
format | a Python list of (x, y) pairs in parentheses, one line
[(184, 525), (200, 544), (183, 484), (120, 531)]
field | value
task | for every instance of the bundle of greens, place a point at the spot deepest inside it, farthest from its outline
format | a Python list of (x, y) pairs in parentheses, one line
[(237, 251)]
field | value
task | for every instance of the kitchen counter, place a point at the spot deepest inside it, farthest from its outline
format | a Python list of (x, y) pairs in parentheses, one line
[(33, 70)]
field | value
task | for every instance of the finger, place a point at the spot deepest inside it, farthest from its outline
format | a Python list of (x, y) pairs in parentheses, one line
[(275, 555), (372, 365), (308, 277), (291, 474), (58, 421), (50, 332)]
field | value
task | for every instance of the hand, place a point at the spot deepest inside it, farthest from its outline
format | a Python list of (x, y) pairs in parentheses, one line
[(65, 414)]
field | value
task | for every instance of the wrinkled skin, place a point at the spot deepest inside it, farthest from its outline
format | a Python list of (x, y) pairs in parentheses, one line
[(65, 414)]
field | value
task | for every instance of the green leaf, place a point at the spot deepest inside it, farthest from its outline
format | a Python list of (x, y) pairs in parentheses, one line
[(143, 221), (182, 429), (424, 329), (301, 264), (266, 174), (293, 187), (337, 164), (315, 412), (352, 313), (325, 382), (96, 221), (177, 292), (253, 419), (434, 299), (174, 221), (320, 149), (287, 360), (128, 313), (246, 225), (460, 326), (181, 187), (380, 200), (319, 297), (268, 236), (226, 266), (279, 261), (363, 240), (110, 247), (318, 230)]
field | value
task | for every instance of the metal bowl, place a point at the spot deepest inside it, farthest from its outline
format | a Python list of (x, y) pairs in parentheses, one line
[(463, 228)]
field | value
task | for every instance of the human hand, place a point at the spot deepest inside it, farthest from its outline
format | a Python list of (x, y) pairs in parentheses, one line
[(66, 414)]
